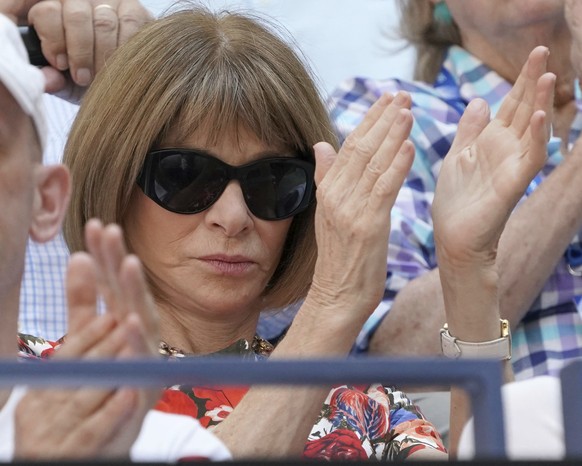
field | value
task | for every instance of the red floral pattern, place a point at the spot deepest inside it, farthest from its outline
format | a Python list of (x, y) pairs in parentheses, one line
[(209, 405), (177, 402), (359, 411), (355, 423), (341, 444), (30, 345)]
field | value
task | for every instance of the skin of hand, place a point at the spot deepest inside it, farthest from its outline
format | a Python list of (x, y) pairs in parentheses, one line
[(17, 10), (77, 36), (573, 13), (356, 189), (84, 422), (482, 178)]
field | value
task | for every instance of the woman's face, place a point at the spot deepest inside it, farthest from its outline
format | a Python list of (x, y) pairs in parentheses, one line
[(216, 262)]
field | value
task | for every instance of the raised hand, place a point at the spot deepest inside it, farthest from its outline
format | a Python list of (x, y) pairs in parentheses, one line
[(482, 178), (121, 283), (356, 189), (79, 35), (88, 422), (490, 165)]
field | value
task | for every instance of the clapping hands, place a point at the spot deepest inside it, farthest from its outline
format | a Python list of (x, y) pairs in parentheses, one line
[(356, 189), (490, 165), (88, 422), (482, 178)]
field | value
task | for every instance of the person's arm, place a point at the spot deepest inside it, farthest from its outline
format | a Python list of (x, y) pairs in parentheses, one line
[(87, 422), (356, 189), (486, 171)]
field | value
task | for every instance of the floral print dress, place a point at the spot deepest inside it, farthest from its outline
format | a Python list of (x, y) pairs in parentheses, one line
[(356, 423)]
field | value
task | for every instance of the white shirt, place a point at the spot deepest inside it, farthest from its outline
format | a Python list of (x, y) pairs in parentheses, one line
[(534, 427)]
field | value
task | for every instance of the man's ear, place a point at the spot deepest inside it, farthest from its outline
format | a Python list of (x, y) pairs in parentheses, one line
[(51, 198)]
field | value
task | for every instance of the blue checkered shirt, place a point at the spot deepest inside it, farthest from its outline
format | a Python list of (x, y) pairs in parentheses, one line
[(551, 332), (43, 309)]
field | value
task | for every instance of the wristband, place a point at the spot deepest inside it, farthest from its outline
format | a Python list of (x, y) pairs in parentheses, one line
[(499, 348)]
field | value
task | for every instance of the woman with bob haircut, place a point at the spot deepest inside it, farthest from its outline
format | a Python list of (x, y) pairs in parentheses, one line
[(204, 138), (194, 101)]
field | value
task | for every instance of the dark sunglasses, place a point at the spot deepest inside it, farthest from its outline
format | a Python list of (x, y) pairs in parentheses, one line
[(189, 181)]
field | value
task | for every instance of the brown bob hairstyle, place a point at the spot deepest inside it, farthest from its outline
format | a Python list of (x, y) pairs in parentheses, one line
[(195, 69)]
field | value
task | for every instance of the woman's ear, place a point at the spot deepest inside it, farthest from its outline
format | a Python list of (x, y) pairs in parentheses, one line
[(51, 198)]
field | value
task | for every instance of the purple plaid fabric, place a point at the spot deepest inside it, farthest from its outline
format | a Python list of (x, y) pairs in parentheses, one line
[(551, 332)]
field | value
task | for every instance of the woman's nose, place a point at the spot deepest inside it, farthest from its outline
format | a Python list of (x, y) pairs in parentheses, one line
[(230, 211)]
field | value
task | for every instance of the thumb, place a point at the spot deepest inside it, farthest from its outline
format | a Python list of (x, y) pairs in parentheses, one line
[(325, 155), (55, 81)]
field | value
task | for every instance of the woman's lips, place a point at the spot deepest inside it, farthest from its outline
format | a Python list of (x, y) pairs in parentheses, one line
[(229, 265)]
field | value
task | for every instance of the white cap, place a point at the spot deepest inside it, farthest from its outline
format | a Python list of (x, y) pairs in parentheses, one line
[(24, 81)]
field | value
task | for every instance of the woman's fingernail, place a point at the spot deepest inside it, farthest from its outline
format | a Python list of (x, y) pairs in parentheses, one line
[(83, 76), (399, 99), (479, 104), (62, 62)]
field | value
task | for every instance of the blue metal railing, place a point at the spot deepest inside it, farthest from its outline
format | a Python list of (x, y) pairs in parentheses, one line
[(481, 379), (571, 381)]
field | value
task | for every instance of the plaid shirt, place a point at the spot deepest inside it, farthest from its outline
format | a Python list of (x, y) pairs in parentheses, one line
[(551, 332)]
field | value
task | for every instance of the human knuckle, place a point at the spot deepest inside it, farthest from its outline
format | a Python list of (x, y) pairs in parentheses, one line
[(77, 17), (333, 204), (350, 143), (345, 219), (81, 57), (364, 149), (106, 24), (45, 9), (374, 169), (326, 199), (370, 177), (358, 229), (385, 186), (131, 22)]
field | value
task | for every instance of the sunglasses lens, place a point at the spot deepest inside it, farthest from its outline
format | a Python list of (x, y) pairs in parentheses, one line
[(187, 184), (277, 189)]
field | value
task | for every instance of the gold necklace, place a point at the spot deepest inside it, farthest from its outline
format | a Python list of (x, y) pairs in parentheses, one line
[(167, 350), (258, 346)]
